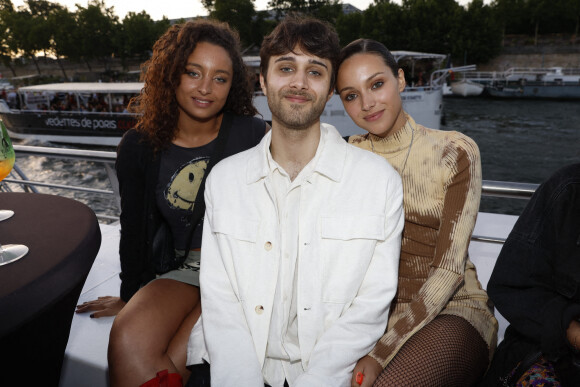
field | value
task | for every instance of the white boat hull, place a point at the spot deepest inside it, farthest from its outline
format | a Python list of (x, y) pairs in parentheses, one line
[(466, 88), (425, 105)]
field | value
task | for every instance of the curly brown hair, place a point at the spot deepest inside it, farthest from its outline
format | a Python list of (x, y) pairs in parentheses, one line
[(157, 102)]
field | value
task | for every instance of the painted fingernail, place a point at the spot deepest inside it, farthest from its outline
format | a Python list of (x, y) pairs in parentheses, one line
[(92, 315)]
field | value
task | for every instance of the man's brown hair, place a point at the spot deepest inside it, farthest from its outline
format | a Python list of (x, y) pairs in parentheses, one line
[(312, 36)]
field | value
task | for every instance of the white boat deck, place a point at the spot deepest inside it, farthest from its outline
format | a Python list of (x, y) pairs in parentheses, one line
[(85, 361)]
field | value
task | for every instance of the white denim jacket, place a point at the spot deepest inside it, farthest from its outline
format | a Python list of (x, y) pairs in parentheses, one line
[(350, 236)]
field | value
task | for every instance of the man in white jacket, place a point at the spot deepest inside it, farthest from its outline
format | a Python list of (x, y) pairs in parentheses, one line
[(302, 234)]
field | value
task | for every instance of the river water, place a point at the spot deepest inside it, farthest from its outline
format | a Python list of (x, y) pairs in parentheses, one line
[(520, 141)]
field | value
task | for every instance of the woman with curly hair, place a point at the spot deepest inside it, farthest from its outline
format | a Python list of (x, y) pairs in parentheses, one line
[(196, 86)]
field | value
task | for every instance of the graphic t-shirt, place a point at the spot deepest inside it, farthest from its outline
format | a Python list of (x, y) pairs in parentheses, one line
[(180, 175)]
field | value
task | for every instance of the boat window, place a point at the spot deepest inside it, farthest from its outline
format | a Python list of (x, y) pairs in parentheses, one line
[(35, 101), (86, 102)]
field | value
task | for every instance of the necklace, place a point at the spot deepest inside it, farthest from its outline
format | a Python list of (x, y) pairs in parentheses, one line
[(408, 151)]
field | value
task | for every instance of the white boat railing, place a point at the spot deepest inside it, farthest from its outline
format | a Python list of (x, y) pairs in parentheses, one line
[(517, 73), (438, 76), (107, 159), (19, 178), (504, 189)]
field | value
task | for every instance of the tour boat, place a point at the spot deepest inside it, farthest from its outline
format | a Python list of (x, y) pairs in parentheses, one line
[(92, 113), (95, 113), (540, 83)]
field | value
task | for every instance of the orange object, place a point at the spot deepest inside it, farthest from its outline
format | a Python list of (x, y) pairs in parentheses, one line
[(359, 378)]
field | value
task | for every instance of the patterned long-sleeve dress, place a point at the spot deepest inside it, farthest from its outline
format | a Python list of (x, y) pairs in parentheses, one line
[(442, 188)]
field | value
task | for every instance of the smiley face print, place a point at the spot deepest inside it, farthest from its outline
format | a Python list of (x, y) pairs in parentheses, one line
[(184, 184)]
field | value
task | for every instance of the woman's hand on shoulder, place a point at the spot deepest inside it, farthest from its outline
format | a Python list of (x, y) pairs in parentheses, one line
[(369, 369), (102, 306)]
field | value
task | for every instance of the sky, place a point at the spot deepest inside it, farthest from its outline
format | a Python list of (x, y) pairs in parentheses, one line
[(175, 9)]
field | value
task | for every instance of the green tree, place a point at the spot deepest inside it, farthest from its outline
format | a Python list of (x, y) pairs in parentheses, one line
[(239, 14), (573, 7), (554, 16), (96, 26), (349, 27), (262, 25), (59, 23), (540, 11), (6, 8), (512, 15), (536, 17), (328, 10), (431, 24), (22, 36), (479, 37), (138, 33), (384, 21), (48, 19), (252, 25)]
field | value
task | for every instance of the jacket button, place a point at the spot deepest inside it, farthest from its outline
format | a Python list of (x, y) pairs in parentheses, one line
[(268, 246), (259, 309)]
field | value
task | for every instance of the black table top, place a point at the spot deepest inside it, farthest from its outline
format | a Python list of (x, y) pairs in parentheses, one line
[(63, 236)]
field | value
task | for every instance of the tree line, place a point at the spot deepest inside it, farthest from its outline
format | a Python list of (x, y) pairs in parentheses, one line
[(471, 33), (84, 35)]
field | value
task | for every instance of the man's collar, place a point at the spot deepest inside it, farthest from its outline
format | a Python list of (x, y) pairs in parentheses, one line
[(330, 164)]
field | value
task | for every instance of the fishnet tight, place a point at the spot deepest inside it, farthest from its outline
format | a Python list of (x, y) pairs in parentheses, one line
[(446, 352)]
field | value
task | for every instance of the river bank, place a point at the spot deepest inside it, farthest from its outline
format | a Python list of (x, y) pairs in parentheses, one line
[(518, 51), (555, 50), (48, 70)]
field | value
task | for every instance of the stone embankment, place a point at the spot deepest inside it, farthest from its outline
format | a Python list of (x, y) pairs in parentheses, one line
[(556, 50), (24, 71)]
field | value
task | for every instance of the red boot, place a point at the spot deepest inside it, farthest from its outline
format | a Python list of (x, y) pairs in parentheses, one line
[(164, 379)]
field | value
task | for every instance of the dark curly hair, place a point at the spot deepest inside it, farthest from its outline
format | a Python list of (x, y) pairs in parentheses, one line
[(157, 102)]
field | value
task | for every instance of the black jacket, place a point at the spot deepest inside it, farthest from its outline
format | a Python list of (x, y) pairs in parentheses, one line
[(535, 284), (138, 170)]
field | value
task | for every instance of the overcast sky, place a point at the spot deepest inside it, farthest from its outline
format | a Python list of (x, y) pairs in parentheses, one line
[(175, 9)]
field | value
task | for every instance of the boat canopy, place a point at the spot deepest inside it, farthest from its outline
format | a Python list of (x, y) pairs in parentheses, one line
[(86, 87), (413, 55)]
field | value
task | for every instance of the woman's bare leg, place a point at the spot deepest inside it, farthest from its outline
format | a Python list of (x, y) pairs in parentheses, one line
[(150, 333), (177, 350)]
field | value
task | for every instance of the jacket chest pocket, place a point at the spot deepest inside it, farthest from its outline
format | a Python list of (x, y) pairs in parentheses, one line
[(348, 244), (235, 226), (237, 237)]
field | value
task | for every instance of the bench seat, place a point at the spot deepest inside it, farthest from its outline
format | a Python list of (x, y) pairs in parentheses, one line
[(85, 360)]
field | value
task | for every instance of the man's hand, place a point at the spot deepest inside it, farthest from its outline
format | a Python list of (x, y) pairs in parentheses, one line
[(102, 307), (369, 368)]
